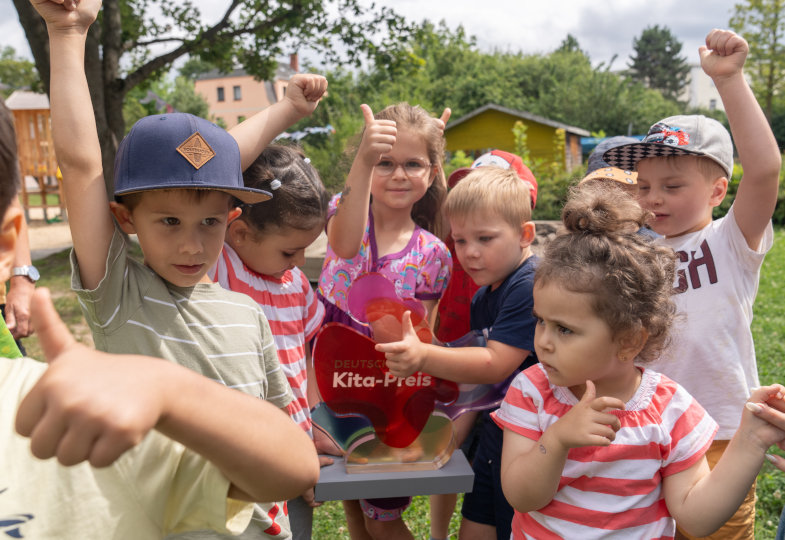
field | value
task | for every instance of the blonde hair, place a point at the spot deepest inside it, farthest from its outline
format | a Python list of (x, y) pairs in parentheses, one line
[(601, 253), (426, 211), (492, 191)]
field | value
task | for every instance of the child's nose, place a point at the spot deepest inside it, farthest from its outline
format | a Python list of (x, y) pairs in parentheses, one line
[(299, 258), (191, 242)]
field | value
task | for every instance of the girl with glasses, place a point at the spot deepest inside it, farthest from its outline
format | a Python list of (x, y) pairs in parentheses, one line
[(385, 220)]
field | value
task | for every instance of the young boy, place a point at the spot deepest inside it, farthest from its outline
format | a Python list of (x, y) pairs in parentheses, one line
[(92, 406), (176, 177), (684, 165), (490, 218)]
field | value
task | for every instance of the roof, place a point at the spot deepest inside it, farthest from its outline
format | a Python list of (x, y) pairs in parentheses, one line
[(282, 71), (25, 100), (520, 114)]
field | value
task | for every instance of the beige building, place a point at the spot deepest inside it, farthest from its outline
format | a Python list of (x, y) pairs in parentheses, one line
[(700, 91), (233, 97)]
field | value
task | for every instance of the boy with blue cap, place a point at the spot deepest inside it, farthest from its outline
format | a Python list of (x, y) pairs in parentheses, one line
[(176, 179)]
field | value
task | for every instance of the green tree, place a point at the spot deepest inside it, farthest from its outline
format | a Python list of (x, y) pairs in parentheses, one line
[(762, 23), (656, 63), (123, 46), (17, 73)]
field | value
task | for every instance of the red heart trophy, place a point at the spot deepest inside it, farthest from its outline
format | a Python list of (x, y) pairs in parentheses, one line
[(401, 431)]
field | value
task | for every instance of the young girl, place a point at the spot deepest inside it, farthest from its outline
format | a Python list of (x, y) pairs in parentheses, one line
[(260, 257), (594, 445), (381, 223)]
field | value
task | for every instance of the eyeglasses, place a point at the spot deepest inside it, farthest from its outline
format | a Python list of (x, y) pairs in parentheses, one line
[(413, 168)]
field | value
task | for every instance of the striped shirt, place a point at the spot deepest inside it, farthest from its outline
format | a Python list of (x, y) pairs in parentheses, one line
[(613, 491), (221, 334), (294, 314)]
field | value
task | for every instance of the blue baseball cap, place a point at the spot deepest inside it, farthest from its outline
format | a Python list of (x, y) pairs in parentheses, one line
[(181, 151)]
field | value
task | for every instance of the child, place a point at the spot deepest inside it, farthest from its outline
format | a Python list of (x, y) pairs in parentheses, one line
[(94, 406), (490, 218), (454, 322), (260, 257), (175, 179), (595, 446), (399, 164), (684, 165)]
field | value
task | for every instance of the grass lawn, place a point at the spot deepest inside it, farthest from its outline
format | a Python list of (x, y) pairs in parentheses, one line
[(768, 330)]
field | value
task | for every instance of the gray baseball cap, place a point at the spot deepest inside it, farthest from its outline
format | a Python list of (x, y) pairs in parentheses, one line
[(682, 135)]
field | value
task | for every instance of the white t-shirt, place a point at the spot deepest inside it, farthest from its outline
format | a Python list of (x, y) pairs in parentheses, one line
[(712, 354), (157, 487)]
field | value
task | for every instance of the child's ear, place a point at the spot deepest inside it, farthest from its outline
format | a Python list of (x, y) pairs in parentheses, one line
[(123, 216), (9, 232), (528, 233), (631, 343), (719, 187), (234, 213), (238, 232)]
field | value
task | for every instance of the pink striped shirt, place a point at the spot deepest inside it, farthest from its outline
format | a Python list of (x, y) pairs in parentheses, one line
[(613, 491), (294, 314)]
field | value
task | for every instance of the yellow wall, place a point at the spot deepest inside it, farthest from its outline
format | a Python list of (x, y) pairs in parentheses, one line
[(493, 129)]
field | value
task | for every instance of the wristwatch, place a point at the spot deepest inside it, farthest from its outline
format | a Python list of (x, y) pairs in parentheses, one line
[(29, 271)]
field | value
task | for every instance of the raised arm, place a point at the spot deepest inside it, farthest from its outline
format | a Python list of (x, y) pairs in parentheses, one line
[(94, 406), (722, 58), (346, 228), (303, 94), (701, 500), (75, 136)]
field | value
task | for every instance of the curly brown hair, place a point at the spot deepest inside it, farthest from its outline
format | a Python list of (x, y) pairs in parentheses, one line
[(601, 252)]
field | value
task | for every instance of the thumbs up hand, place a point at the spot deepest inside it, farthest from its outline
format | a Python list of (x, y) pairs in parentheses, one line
[(87, 405), (406, 356), (589, 422), (378, 138)]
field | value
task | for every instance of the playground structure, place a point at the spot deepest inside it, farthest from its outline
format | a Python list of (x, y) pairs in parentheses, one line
[(41, 186)]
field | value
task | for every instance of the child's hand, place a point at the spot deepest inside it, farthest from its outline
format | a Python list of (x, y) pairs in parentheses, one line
[(764, 417), (68, 14), (442, 121), (304, 92), (406, 356), (588, 423), (724, 54), (378, 138), (88, 405)]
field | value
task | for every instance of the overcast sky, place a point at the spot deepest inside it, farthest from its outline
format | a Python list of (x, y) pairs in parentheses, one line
[(603, 27)]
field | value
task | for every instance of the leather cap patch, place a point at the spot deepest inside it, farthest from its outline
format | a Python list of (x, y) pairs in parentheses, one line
[(196, 150)]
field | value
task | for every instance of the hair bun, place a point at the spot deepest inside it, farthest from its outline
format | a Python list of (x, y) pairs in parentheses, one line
[(602, 210)]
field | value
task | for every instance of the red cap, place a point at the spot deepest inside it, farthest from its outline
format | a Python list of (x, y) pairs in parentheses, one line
[(503, 160)]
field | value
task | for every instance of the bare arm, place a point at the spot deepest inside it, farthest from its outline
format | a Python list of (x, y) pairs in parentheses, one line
[(75, 135), (254, 134), (20, 288), (263, 453), (701, 500), (480, 365), (531, 470), (346, 228), (722, 59)]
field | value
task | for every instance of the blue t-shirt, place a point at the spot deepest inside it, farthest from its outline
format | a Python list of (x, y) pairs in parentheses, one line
[(505, 314)]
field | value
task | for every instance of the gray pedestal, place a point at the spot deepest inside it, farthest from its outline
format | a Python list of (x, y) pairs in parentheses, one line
[(335, 484)]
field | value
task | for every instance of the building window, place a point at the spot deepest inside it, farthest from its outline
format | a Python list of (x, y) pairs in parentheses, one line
[(712, 104), (220, 93), (238, 95)]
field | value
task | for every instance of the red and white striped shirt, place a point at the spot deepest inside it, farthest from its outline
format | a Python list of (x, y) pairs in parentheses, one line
[(613, 491), (294, 314)]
